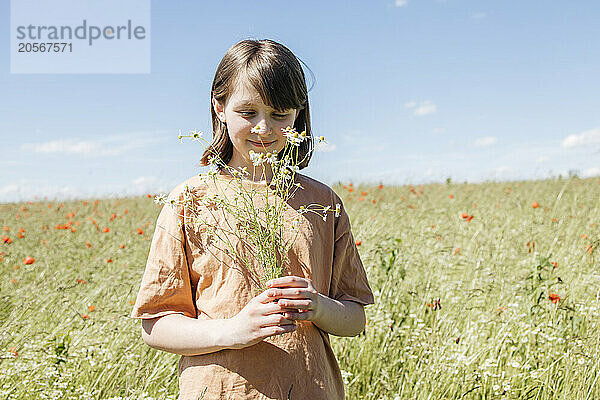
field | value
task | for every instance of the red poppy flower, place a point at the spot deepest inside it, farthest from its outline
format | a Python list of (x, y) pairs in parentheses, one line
[(553, 297), (535, 204), (105, 229), (28, 260), (139, 231), (358, 242)]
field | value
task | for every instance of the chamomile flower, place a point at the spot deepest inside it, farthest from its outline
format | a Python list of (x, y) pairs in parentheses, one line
[(195, 134), (244, 171), (257, 129), (271, 158), (337, 209), (293, 136), (256, 158)]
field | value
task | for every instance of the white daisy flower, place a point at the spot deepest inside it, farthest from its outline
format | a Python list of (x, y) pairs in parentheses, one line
[(257, 129), (195, 134), (271, 158), (256, 158), (293, 136), (337, 209)]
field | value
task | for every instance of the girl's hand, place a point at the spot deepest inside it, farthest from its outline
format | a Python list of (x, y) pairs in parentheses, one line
[(259, 319), (298, 296)]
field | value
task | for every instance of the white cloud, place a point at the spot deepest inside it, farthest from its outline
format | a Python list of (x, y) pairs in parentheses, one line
[(108, 146), (503, 172), (478, 15), (542, 159), (145, 185), (588, 173), (485, 141), (325, 147), (426, 107), (401, 3), (63, 146), (586, 138), (24, 190)]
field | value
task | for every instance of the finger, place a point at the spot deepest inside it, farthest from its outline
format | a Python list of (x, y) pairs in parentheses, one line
[(290, 293), (298, 304), (266, 297), (288, 281), (278, 330), (275, 307), (276, 319), (299, 316)]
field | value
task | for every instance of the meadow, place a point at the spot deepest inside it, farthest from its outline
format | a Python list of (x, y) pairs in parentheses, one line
[(482, 291)]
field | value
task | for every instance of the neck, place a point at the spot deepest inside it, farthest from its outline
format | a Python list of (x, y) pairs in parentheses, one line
[(255, 174)]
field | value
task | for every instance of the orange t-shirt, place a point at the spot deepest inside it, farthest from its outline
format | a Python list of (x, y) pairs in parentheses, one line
[(187, 273)]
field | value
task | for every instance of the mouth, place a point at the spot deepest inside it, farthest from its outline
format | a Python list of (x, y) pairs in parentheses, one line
[(258, 144)]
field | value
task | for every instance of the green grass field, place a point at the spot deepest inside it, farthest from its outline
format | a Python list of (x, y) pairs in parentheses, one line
[(479, 295)]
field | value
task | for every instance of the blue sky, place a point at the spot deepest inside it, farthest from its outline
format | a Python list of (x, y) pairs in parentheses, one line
[(408, 91)]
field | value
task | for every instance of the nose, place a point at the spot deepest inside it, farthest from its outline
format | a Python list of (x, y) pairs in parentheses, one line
[(265, 127)]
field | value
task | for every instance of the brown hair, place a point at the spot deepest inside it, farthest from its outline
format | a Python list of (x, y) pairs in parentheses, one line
[(275, 72)]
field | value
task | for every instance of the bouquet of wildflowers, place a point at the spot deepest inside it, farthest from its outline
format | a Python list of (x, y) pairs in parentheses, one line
[(256, 218)]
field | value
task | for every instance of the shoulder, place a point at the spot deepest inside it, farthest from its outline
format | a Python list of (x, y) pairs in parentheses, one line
[(195, 184), (321, 193), (316, 187)]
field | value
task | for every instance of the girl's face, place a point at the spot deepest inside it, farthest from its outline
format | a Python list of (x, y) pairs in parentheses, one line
[(242, 111)]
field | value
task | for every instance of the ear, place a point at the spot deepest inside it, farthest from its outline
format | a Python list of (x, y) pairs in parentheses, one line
[(219, 109)]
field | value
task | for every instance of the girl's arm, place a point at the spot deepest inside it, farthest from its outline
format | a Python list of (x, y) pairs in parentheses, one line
[(340, 318), (176, 333)]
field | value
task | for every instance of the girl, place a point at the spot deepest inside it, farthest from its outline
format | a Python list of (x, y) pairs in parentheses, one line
[(193, 302)]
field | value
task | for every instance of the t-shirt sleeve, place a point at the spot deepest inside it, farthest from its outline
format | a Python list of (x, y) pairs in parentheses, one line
[(349, 278), (166, 285)]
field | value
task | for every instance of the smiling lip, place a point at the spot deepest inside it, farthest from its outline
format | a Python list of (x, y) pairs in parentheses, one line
[(261, 145)]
